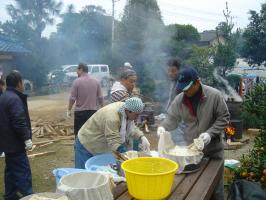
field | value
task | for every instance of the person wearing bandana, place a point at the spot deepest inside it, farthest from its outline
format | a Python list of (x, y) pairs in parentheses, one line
[(110, 129)]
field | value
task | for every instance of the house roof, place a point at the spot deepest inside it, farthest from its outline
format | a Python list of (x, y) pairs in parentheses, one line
[(8, 45), (207, 36)]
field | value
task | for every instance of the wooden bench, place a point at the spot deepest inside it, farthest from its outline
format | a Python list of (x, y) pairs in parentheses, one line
[(194, 186)]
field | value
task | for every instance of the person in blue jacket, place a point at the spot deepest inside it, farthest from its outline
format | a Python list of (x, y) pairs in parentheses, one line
[(15, 134)]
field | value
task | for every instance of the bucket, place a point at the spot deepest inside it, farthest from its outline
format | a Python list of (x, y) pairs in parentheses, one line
[(149, 178), (85, 186), (100, 160)]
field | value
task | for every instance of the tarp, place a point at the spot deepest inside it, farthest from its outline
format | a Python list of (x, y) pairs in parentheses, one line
[(245, 190)]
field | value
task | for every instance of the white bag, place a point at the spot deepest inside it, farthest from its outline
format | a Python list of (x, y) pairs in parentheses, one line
[(85, 186)]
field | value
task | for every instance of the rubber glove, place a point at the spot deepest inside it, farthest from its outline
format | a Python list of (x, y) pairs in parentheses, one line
[(68, 113), (28, 144), (206, 138), (160, 131), (145, 144), (121, 149)]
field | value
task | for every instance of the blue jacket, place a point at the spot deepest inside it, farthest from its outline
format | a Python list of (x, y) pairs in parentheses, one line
[(15, 126)]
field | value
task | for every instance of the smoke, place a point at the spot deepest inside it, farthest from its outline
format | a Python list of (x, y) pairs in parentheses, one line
[(232, 92)]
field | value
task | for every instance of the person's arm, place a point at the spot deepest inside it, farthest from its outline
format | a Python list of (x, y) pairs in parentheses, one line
[(221, 117), (120, 95), (112, 134), (136, 132), (100, 95), (173, 116), (73, 96), (18, 119)]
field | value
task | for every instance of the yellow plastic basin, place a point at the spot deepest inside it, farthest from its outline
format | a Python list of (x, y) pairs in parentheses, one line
[(149, 178)]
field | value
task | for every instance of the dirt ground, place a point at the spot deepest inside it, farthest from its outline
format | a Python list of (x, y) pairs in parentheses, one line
[(53, 108)]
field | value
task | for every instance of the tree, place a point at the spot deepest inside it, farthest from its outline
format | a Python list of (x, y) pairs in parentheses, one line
[(139, 40), (225, 55), (201, 58), (34, 14), (88, 38), (28, 21), (180, 39), (254, 46)]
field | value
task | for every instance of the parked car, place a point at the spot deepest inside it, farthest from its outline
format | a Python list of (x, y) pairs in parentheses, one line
[(68, 73)]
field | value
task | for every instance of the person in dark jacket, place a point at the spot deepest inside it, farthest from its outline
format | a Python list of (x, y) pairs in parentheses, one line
[(2, 84), (15, 133)]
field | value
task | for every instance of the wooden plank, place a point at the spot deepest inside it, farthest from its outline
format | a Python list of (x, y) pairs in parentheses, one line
[(119, 189), (44, 142), (41, 154), (187, 184), (125, 196), (207, 182)]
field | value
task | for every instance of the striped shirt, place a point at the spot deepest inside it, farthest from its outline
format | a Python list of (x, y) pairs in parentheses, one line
[(119, 92)]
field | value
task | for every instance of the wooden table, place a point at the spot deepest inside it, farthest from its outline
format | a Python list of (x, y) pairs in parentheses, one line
[(194, 186)]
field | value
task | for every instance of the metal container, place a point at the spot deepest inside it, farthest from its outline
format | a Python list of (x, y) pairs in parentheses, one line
[(234, 109)]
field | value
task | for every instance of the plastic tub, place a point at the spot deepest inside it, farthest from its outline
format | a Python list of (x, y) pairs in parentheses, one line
[(85, 186), (100, 160), (60, 172), (47, 195), (149, 177)]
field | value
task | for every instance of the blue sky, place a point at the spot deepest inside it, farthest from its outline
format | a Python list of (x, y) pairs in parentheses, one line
[(203, 14)]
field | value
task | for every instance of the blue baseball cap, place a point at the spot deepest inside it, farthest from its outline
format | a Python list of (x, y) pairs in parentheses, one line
[(186, 77)]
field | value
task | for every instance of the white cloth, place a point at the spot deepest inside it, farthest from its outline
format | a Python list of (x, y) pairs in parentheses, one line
[(68, 113), (117, 86), (160, 131), (85, 186), (168, 149), (145, 144), (126, 127)]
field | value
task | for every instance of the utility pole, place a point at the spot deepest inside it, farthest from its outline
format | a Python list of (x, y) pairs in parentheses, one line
[(113, 24)]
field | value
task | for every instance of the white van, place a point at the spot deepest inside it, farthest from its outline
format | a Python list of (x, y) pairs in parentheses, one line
[(99, 71)]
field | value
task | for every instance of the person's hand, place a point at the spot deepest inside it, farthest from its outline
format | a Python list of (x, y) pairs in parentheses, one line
[(68, 113), (206, 138), (145, 144), (28, 144), (160, 130)]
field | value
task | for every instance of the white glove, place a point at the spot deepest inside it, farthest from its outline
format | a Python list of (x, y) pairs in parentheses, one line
[(160, 130), (28, 144), (206, 138), (68, 113), (145, 145)]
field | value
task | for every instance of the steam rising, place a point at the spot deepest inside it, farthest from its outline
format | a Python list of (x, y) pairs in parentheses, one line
[(232, 92)]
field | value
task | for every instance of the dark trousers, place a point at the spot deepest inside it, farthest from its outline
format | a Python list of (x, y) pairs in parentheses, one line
[(18, 180), (80, 117)]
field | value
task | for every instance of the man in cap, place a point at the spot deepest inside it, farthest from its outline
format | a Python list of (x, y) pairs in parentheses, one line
[(204, 112), (109, 129)]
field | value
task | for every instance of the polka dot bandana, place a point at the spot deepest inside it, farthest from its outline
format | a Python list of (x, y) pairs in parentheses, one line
[(134, 104)]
